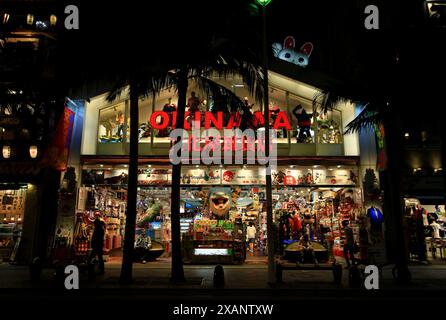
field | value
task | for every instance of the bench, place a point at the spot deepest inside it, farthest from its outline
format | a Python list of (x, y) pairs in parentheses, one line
[(334, 267)]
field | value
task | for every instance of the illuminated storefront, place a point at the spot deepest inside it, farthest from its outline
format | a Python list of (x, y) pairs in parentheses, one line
[(316, 179)]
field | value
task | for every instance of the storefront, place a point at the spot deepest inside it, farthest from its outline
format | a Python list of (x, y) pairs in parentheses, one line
[(316, 184), (217, 205), (12, 210)]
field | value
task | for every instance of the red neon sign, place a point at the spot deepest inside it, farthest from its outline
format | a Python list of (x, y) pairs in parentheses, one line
[(215, 120)]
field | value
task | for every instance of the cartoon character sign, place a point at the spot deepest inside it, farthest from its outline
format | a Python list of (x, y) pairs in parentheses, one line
[(219, 201), (287, 52)]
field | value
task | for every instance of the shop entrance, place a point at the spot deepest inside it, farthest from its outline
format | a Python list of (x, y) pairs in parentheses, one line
[(12, 207), (225, 224)]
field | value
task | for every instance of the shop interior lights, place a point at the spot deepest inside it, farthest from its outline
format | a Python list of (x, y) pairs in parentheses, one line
[(33, 150), (30, 19), (5, 18), (6, 151), (53, 20)]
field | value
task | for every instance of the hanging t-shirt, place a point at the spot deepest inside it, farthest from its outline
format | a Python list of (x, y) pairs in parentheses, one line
[(435, 229), (251, 232)]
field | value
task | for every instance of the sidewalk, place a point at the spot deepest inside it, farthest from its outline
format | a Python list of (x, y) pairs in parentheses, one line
[(200, 277)]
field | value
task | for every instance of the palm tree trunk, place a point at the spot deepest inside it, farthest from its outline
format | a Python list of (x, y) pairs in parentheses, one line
[(177, 259), (269, 196), (393, 197), (130, 222), (443, 161)]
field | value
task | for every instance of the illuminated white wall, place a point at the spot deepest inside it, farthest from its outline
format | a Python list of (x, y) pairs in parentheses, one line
[(351, 141)]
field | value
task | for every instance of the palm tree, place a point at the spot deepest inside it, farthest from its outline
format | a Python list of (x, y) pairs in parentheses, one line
[(375, 113)]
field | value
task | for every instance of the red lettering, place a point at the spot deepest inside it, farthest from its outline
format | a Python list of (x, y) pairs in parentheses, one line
[(186, 122), (164, 120), (209, 118), (234, 120), (282, 121)]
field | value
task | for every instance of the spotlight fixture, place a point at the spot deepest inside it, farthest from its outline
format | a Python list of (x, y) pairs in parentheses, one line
[(53, 20), (6, 152), (5, 18), (33, 150), (30, 19)]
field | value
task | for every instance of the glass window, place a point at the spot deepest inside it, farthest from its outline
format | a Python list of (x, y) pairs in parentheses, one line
[(302, 121), (112, 124), (329, 127)]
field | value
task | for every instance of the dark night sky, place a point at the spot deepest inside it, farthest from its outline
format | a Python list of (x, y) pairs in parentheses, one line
[(114, 33)]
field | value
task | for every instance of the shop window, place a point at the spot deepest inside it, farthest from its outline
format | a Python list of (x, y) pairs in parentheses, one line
[(329, 127), (278, 108), (317, 213), (113, 124), (302, 120), (12, 206)]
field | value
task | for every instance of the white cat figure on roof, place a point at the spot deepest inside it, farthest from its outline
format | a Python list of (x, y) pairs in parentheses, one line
[(287, 52)]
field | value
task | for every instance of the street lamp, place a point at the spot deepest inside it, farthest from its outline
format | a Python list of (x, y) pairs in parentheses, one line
[(269, 197)]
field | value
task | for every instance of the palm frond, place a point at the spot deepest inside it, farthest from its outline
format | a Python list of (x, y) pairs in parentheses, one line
[(118, 87), (325, 100), (249, 73), (368, 118), (214, 89)]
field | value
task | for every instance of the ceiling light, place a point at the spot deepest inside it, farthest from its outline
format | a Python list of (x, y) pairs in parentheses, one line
[(30, 19), (33, 150), (5, 18), (6, 152), (53, 20)]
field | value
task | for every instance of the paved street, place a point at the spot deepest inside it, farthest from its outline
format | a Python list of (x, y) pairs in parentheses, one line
[(156, 275)]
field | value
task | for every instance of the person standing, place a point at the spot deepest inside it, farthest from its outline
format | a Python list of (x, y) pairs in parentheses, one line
[(120, 123), (97, 242), (349, 243), (251, 235)]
